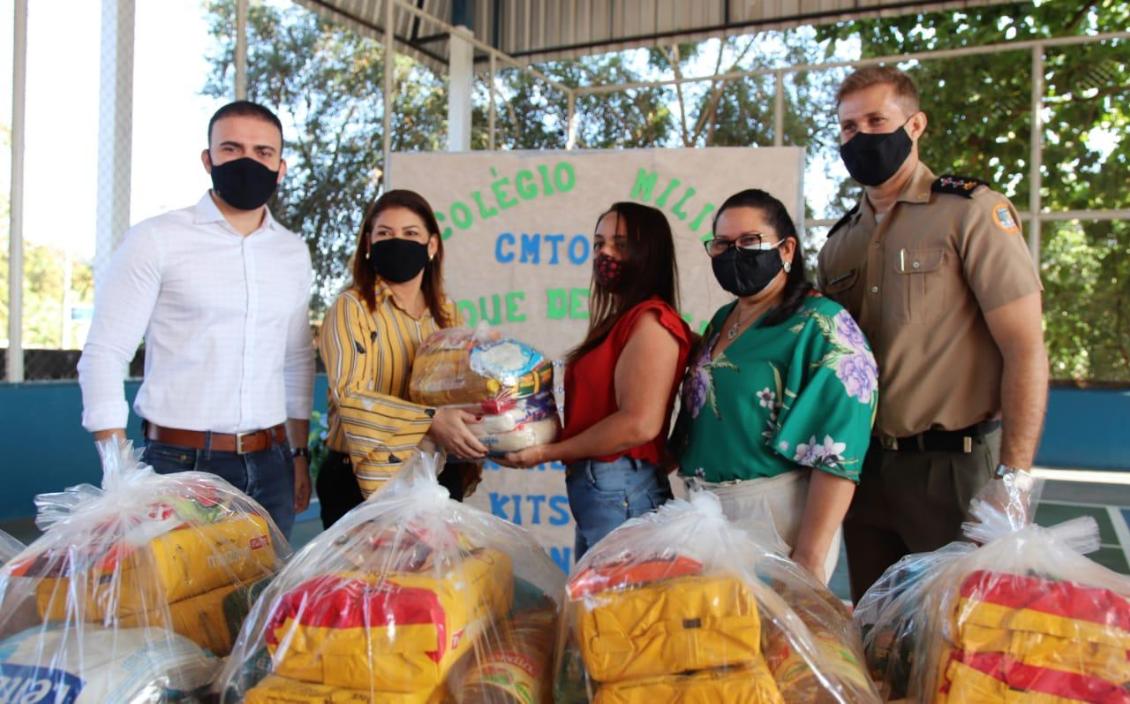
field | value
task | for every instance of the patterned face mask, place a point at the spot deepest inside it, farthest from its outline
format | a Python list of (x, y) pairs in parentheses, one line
[(608, 271)]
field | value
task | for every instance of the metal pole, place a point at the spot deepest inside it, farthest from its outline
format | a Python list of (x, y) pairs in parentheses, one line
[(15, 364), (571, 122), (1036, 152), (115, 131), (241, 10), (460, 83), (389, 68), (490, 112), (779, 110)]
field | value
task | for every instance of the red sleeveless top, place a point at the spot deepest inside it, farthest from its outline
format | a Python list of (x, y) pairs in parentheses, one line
[(590, 389)]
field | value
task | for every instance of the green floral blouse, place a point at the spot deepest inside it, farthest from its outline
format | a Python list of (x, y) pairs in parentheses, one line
[(800, 393)]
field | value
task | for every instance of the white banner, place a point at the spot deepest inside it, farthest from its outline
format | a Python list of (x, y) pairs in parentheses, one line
[(517, 230)]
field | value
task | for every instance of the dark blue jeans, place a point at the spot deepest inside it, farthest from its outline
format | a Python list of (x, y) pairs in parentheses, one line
[(602, 495), (267, 476)]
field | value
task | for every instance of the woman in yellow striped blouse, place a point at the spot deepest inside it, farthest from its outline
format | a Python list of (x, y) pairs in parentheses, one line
[(368, 343)]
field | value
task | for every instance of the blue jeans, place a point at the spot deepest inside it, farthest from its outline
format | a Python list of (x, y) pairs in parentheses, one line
[(266, 476), (602, 495)]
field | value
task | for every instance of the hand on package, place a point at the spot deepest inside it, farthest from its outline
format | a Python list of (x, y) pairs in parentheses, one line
[(449, 429), (524, 459), (1011, 498), (301, 484), (812, 565)]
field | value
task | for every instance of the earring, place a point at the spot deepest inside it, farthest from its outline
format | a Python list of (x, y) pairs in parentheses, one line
[(788, 266), (366, 254)]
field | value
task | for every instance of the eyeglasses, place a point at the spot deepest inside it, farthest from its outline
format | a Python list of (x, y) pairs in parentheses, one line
[(717, 246)]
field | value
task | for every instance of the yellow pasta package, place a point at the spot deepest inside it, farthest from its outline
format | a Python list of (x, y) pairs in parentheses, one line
[(409, 598), (128, 584)]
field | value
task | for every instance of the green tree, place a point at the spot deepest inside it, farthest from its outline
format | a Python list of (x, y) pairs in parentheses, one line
[(980, 110)]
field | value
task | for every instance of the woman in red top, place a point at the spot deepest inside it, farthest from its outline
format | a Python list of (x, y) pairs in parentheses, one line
[(620, 383)]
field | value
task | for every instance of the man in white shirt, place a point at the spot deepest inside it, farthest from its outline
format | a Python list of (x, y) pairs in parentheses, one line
[(220, 292)]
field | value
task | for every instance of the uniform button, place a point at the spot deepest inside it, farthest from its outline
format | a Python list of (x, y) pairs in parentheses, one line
[(916, 265), (874, 289)]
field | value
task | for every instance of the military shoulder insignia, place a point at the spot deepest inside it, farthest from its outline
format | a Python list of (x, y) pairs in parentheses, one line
[(1002, 217), (843, 221), (957, 185)]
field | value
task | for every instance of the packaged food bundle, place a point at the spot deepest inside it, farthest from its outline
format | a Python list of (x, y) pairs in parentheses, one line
[(411, 597), (506, 382), (127, 584), (680, 605), (1023, 617)]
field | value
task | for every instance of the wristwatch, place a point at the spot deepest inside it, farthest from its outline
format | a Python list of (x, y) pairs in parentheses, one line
[(300, 452), (1004, 470)]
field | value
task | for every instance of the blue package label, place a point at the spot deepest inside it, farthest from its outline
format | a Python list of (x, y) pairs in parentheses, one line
[(28, 684)]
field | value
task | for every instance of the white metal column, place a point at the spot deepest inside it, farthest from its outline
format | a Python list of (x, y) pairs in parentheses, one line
[(461, 76), (15, 363), (115, 131), (241, 10), (1036, 152), (386, 94)]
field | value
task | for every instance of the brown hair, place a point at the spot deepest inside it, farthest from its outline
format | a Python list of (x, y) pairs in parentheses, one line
[(869, 76), (365, 279), (649, 269)]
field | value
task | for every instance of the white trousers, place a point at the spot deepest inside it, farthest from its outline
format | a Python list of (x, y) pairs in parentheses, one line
[(771, 510)]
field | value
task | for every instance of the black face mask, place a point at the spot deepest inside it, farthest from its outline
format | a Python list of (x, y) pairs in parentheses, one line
[(398, 260), (244, 183), (871, 159), (745, 272)]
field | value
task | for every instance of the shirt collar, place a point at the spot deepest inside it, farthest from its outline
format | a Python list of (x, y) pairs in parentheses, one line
[(384, 293), (207, 212), (916, 190)]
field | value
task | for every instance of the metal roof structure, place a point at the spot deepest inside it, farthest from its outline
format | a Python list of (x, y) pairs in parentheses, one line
[(533, 31)]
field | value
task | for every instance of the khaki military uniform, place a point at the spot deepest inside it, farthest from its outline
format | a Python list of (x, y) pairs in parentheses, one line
[(918, 280)]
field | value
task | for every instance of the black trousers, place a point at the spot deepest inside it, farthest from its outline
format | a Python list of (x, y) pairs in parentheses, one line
[(338, 492)]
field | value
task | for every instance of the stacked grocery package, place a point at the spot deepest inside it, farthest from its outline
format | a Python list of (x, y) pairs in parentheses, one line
[(1022, 618), (410, 598), (508, 384), (681, 606), (136, 586)]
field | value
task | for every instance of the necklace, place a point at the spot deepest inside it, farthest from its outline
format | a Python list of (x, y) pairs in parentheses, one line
[(733, 331)]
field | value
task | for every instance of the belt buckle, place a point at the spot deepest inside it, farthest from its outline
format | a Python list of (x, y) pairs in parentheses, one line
[(239, 441)]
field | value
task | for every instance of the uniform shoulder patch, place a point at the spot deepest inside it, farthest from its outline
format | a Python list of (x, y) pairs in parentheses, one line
[(843, 221), (957, 185)]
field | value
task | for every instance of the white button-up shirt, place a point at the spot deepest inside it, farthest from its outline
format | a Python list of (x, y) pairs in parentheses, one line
[(225, 319)]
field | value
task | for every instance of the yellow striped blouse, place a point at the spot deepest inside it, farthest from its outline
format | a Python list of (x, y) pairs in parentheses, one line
[(368, 358)]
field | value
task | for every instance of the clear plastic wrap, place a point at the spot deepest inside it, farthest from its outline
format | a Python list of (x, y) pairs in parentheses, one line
[(410, 597), (507, 383), (680, 605), (134, 588), (1023, 617), (9, 548)]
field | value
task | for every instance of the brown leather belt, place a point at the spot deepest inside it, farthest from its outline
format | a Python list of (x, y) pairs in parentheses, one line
[(239, 443)]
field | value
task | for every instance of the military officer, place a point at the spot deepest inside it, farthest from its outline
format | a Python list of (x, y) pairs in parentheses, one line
[(938, 275)]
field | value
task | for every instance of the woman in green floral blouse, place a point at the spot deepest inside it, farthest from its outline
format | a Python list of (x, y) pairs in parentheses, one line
[(779, 401)]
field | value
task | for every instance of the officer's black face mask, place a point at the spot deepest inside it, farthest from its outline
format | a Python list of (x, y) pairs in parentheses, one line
[(745, 272), (244, 183), (398, 260), (871, 159)]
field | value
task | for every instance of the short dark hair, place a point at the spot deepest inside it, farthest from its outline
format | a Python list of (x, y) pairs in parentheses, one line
[(869, 76), (777, 215), (244, 108)]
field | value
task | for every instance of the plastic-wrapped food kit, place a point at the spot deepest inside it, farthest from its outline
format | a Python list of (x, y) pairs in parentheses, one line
[(506, 382), (411, 597), (134, 588), (681, 606), (1024, 617)]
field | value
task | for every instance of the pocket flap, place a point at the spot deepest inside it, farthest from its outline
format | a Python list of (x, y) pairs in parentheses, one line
[(920, 261), (841, 281)]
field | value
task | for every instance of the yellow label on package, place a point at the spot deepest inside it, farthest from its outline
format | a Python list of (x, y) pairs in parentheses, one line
[(200, 619), (752, 684), (667, 627), (280, 690), (172, 567)]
